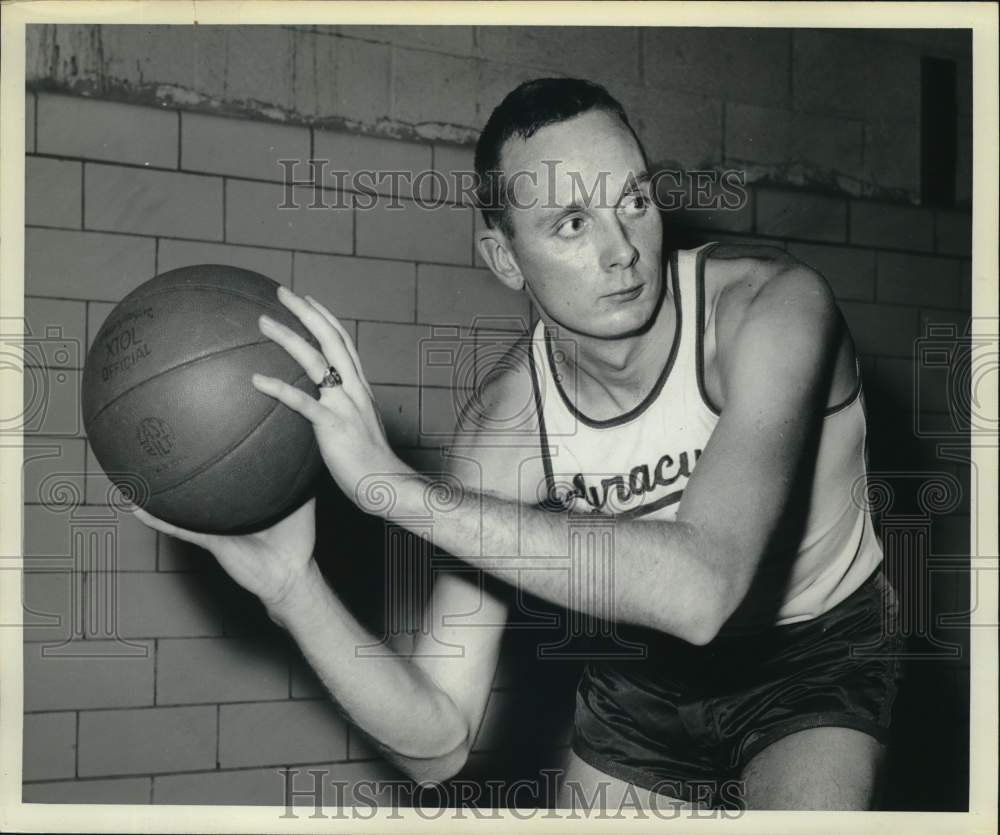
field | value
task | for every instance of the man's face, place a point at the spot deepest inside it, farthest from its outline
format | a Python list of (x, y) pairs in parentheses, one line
[(587, 236)]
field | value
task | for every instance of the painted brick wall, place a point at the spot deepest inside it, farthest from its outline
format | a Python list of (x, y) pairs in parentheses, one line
[(831, 108), (201, 697), (201, 680)]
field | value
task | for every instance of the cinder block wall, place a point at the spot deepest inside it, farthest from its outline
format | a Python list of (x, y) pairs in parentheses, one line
[(152, 151)]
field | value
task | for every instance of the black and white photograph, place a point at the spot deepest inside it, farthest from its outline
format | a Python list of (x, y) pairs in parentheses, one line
[(465, 420)]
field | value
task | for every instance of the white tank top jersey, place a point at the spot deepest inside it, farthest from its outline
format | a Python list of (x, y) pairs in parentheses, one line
[(637, 464)]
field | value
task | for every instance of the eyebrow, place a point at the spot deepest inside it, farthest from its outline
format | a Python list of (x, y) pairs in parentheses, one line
[(553, 211)]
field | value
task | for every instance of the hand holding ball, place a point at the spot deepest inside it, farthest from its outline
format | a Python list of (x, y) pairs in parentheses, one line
[(168, 402)]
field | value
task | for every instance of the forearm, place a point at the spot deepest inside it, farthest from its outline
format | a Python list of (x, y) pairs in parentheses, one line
[(660, 575), (415, 724)]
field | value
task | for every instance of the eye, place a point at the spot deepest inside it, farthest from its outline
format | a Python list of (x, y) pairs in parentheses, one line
[(571, 227)]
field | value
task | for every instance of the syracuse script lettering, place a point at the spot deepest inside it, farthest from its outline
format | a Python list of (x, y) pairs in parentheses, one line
[(620, 489)]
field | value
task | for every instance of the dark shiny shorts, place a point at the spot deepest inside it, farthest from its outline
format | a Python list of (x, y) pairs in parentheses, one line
[(688, 718)]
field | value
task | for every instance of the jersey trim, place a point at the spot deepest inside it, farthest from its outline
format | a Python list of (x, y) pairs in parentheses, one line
[(699, 336), (650, 398), (551, 501), (703, 255), (855, 393)]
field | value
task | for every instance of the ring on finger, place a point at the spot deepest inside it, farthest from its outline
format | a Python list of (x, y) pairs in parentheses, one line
[(331, 379)]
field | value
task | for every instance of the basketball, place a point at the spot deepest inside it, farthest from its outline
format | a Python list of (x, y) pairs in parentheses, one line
[(170, 411)]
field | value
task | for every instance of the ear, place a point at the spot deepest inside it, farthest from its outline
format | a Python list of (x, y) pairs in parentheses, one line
[(498, 254)]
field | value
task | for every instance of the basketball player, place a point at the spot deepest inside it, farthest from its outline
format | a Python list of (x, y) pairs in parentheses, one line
[(710, 403)]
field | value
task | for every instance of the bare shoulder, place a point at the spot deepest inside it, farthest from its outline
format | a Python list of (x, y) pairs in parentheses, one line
[(495, 446), (738, 274), (773, 289), (504, 390)]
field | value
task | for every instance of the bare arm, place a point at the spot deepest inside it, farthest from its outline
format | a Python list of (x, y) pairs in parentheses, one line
[(688, 576), (685, 577), (420, 712), (422, 722)]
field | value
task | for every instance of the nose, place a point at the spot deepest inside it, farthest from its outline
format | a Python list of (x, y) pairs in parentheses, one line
[(617, 252)]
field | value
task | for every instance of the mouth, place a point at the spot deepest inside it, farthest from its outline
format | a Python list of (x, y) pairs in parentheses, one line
[(627, 295)]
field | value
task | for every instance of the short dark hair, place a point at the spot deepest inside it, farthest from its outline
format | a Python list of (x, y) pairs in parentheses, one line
[(526, 109)]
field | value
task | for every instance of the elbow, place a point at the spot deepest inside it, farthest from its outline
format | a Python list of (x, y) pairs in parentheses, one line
[(447, 741), (436, 770), (450, 765), (703, 629), (702, 632), (718, 606), (713, 606), (699, 624)]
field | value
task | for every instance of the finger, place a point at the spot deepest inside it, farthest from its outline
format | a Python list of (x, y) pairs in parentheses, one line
[(311, 360), (295, 399), (170, 530), (349, 344), (330, 339), (345, 336), (335, 323)]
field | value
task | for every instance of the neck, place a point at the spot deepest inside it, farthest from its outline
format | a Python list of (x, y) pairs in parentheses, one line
[(621, 364)]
